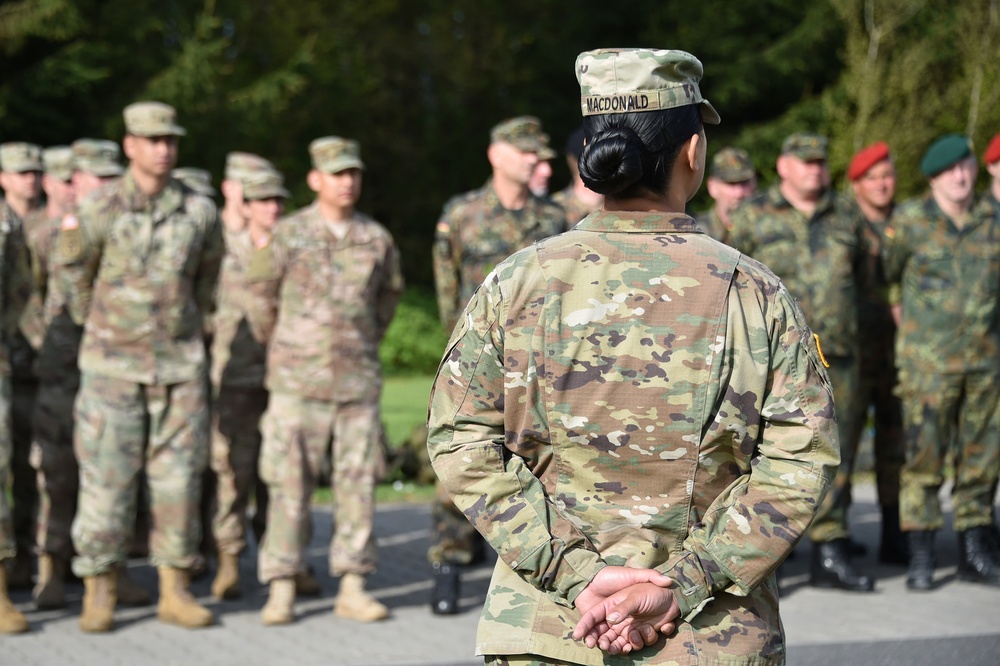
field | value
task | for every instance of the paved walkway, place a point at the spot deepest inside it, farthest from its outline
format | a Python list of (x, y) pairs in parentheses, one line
[(957, 623)]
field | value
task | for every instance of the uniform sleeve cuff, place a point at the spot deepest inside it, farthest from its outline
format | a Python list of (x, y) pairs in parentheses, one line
[(692, 589), (577, 569)]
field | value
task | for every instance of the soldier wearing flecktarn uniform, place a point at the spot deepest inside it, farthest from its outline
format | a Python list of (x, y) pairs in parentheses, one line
[(478, 230), (816, 242), (731, 180), (633, 398), (942, 257), (327, 287), (141, 262)]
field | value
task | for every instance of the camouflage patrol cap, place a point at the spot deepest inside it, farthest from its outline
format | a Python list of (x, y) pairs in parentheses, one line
[(264, 184), (58, 162), (806, 147), (152, 119), (198, 180), (633, 80), (523, 132), (732, 165), (333, 154), (545, 151), (19, 157), (239, 165), (97, 156)]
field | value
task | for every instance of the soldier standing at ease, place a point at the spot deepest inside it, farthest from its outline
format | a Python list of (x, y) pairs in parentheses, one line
[(239, 362), (576, 199), (731, 180), (21, 171), (141, 263), (15, 278), (943, 260), (478, 230), (815, 241), (873, 180), (326, 289)]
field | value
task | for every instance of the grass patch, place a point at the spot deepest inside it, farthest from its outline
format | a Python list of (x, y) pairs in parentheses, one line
[(404, 405), (406, 492)]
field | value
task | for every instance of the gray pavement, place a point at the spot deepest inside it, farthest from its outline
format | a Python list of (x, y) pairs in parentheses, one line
[(958, 623)]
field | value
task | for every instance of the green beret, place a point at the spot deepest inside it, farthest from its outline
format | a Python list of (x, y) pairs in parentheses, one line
[(944, 153)]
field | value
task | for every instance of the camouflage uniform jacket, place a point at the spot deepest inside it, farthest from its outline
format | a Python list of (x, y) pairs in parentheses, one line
[(323, 305), (47, 323), (238, 358), (475, 233), (823, 260), (575, 208), (948, 282), (140, 275), (635, 393), (712, 224), (15, 281), (875, 313), (24, 341)]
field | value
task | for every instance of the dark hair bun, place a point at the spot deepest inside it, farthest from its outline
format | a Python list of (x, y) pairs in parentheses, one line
[(612, 161)]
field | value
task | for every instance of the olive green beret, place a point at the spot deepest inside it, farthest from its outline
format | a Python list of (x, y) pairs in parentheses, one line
[(943, 153)]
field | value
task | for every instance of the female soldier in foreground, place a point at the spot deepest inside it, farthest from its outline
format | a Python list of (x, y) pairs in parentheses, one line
[(633, 398)]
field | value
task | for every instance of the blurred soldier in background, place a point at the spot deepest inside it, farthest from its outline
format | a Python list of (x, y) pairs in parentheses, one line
[(239, 165), (477, 230), (731, 180), (540, 177)]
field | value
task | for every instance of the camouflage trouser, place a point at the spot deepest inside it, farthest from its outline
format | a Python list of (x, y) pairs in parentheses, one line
[(453, 538), (296, 432), (24, 489), (8, 547), (877, 386), (235, 452), (55, 464), (121, 427), (958, 413), (830, 522)]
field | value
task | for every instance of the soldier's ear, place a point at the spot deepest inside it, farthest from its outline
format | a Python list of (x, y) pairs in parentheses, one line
[(314, 179)]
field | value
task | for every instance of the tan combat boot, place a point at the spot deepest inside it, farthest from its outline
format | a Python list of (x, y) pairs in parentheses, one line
[(227, 578), (278, 609), (49, 591), (177, 606), (12, 621), (99, 598), (353, 603), (130, 593)]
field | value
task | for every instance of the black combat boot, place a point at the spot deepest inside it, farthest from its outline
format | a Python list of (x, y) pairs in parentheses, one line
[(893, 548), (920, 575), (831, 568), (977, 560), (444, 598)]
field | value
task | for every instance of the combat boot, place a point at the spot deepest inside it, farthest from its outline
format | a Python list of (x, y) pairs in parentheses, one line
[(920, 575), (227, 577), (99, 598), (892, 549), (831, 568), (280, 598), (130, 593), (353, 603), (447, 584), (306, 584), (177, 606), (977, 562), (12, 621), (19, 577), (50, 592)]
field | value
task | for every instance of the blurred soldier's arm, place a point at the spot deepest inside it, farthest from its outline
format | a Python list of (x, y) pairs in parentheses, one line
[(207, 277), (390, 290), (447, 266), (15, 276), (895, 254), (78, 253), (267, 267)]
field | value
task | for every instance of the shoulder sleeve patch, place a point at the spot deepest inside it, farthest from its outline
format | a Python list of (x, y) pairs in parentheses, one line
[(262, 266), (70, 245)]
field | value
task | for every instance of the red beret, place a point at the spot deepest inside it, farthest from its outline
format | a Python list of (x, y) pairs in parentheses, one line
[(992, 153), (867, 158)]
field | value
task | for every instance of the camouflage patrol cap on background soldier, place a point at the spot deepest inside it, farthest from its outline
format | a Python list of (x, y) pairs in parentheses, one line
[(20, 157), (523, 132), (152, 119), (333, 154), (633, 80), (545, 151), (198, 180), (264, 184), (58, 161), (807, 147), (240, 165), (97, 156), (732, 165)]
